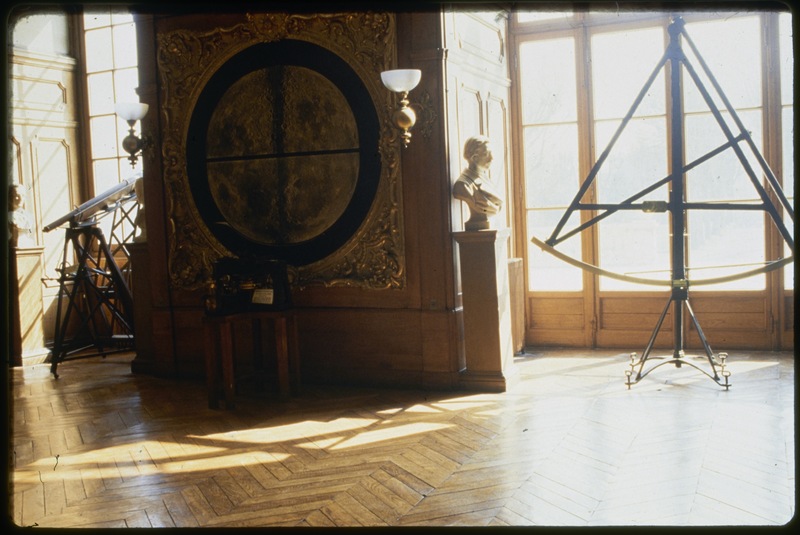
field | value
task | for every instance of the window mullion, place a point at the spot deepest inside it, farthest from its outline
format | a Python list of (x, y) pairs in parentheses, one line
[(587, 154), (773, 130), (87, 176)]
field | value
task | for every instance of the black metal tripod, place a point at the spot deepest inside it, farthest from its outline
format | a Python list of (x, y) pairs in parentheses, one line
[(679, 298), (96, 293)]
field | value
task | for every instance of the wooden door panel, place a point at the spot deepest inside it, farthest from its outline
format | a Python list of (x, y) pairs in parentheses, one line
[(738, 320), (728, 303), (556, 321), (636, 341), (788, 315), (626, 303)]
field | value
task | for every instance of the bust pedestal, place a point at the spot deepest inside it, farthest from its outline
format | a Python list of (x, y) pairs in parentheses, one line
[(25, 306), (488, 344), (142, 308)]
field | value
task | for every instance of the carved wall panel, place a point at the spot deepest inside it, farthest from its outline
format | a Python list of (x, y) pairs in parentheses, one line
[(471, 105), (498, 128), (478, 69), (44, 158), (277, 142)]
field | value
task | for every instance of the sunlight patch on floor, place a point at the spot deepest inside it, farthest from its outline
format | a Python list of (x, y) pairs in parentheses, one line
[(293, 431), (389, 433)]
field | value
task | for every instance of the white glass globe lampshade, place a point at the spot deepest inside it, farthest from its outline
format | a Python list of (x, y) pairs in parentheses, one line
[(401, 80), (131, 111)]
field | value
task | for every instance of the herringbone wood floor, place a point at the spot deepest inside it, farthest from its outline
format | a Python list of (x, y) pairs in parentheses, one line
[(568, 444)]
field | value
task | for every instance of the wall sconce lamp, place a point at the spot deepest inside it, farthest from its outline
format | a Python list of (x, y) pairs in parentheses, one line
[(402, 81), (132, 144)]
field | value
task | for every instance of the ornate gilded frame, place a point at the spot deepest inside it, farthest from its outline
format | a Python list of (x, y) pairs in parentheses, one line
[(374, 256)]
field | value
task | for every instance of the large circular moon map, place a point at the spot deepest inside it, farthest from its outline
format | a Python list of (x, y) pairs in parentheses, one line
[(282, 152)]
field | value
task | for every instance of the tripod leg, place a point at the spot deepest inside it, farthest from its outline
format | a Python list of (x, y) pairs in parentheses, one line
[(61, 327), (706, 346), (649, 346), (61, 322), (678, 332)]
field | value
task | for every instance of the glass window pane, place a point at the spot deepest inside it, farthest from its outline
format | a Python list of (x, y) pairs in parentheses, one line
[(545, 271), (621, 64), (786, 58), (106, 174), (126, 81), (124, 46), (95, 19), (548, 82), (551, 165), (121, 16), (98, 50), (723, 177), (635, 244), (637, 160), (536, 16), (101, 93), (725, 243), (735, 66), (103, 130)]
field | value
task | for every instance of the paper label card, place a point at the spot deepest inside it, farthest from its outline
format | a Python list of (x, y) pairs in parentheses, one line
[(263, 296)]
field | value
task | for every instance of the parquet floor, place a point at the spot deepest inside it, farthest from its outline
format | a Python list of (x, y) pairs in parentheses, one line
[(568, 444)]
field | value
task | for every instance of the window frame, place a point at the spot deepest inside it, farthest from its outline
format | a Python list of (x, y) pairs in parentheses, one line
[(123, 166)]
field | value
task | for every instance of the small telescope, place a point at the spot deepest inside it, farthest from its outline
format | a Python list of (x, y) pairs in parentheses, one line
[(105, 202)]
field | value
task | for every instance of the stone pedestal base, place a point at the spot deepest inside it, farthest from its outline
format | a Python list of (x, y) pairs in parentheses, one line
[(142, 308), (26, 312), (488, 344)]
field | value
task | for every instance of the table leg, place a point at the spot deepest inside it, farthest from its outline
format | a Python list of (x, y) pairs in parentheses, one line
[(226, 351), (212, 365), (294, 355), (258, 344), (282, 353)]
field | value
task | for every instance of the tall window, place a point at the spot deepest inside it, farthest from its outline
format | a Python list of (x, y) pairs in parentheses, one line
[(579, 74), (725, 237), (111, 77), (550, 126), (630, 242)]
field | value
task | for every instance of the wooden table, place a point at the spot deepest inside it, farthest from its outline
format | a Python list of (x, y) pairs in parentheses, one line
[(218, 333)]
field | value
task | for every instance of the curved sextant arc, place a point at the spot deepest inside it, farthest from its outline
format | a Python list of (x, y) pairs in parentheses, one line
[(596, 270)]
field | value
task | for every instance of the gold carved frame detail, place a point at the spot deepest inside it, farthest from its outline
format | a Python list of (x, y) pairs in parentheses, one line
[(374, 256)]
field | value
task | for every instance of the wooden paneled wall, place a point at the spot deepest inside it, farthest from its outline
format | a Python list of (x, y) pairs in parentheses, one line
[(478, 93), (403, 337), (45, 157)]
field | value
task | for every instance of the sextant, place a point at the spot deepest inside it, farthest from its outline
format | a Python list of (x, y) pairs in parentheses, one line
[(737, 139)]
